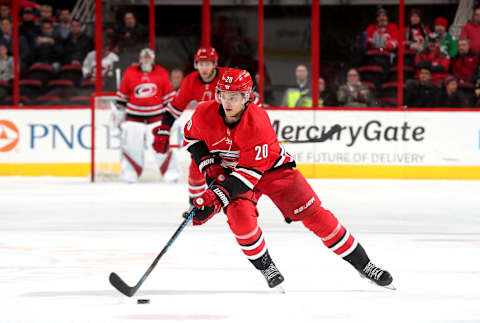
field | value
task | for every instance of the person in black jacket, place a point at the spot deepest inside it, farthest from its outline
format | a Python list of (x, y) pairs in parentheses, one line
[(450, 97), (48, 49), (423, 93), (77, 45)]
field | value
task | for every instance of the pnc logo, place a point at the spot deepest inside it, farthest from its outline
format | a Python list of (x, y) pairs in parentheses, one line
[(9, 135)]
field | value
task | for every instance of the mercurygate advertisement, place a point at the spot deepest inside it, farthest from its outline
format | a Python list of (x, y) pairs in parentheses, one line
[(365, 138)]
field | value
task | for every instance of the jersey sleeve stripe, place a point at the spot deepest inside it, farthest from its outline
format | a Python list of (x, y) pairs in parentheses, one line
[(187, 143), (175, 112), (122, 96), (245, 181), (168, 96), (249, 171)]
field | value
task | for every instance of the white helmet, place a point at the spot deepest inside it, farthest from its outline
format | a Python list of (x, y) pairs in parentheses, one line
[(147, 59)]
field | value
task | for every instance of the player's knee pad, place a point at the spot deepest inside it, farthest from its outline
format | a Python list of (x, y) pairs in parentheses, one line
[(322, 222), (242, 216)]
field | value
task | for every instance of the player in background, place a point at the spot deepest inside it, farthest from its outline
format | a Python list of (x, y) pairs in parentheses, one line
[(233, 142), (198, 86), (143, 95)]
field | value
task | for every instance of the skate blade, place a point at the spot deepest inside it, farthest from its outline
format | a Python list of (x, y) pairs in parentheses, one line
[(280, 289), (391, 287)]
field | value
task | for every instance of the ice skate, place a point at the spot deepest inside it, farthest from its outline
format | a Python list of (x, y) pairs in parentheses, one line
[(272, 275), (377, 276)]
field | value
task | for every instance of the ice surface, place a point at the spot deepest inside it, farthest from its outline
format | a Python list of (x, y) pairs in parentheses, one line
[(61, 238)]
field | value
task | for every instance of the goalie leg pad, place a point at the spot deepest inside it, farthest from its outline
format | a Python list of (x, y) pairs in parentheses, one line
[(132, 150)]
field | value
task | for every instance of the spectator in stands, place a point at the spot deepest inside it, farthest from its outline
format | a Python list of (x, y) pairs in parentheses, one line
[(293, 95), (63, 29), (47, 49), (415, 32), (6, 64), (268, 97), (77, 45), (109, 61), (46, 13), (6, 38), (472, 31), (422, 92), (325, 98), (450, 97), (5, 11), (448, 45), (130, 33), (383, 34), (437, 61), (354, 93), (465, 63), (28, 28), (176, 78)]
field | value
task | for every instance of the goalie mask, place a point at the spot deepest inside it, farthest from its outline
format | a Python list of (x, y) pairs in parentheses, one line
[(235, 81), (147, 59)]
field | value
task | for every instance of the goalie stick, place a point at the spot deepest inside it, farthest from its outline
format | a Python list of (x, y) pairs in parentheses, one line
[(122, 287), (334, 129)]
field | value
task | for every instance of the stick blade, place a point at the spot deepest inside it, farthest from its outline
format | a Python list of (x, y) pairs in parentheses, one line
[(121, 286)]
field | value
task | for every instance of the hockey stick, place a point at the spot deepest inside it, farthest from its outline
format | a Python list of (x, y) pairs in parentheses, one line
[(122, 287), (334, 129)]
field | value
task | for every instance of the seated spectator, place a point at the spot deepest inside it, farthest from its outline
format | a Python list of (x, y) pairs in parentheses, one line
[(383, 34), (46, 13), (28, 28), (472, 31), (109, 60), (176, 78), (448, 45), (465, 63), (450, 97), (293, 95), (77, 45), (5, 11), (268, 98), (354, 93), (6, 64), (63, 29), (6, 37), (130, 33), (437, 61), (422, 92), (47, 49), (415, 32), (325, 98)]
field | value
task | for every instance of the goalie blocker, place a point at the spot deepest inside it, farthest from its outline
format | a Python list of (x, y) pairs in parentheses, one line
[(240, 137)]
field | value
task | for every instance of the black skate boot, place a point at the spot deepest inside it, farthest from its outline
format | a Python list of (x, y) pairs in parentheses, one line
[(377, 275), (272, 275)]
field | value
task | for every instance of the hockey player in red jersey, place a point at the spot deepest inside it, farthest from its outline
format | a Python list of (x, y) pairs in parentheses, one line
[(143, 95), (198, 86), (233, 142)]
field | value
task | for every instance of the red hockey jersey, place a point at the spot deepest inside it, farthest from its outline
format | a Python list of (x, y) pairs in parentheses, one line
[(146, 94), (194, 89), (249, 149)]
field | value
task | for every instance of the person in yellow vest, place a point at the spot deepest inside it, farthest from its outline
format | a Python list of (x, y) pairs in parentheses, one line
[(294, 95), (325, 98)]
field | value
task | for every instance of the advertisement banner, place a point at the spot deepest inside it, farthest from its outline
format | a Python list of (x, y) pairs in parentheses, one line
[(370, 144)]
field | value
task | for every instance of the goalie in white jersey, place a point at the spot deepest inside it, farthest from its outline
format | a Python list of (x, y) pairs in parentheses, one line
[(140, 108)]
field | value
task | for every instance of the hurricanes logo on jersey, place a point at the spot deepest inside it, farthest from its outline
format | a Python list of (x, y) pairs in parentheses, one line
[(146, 90), (9, 135)]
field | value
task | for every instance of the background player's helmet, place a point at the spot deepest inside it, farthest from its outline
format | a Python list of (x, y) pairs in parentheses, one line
[(205, 53), (147, 59), (235, 80)]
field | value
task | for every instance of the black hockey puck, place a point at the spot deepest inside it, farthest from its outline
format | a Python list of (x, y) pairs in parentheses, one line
[(143, 301)]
